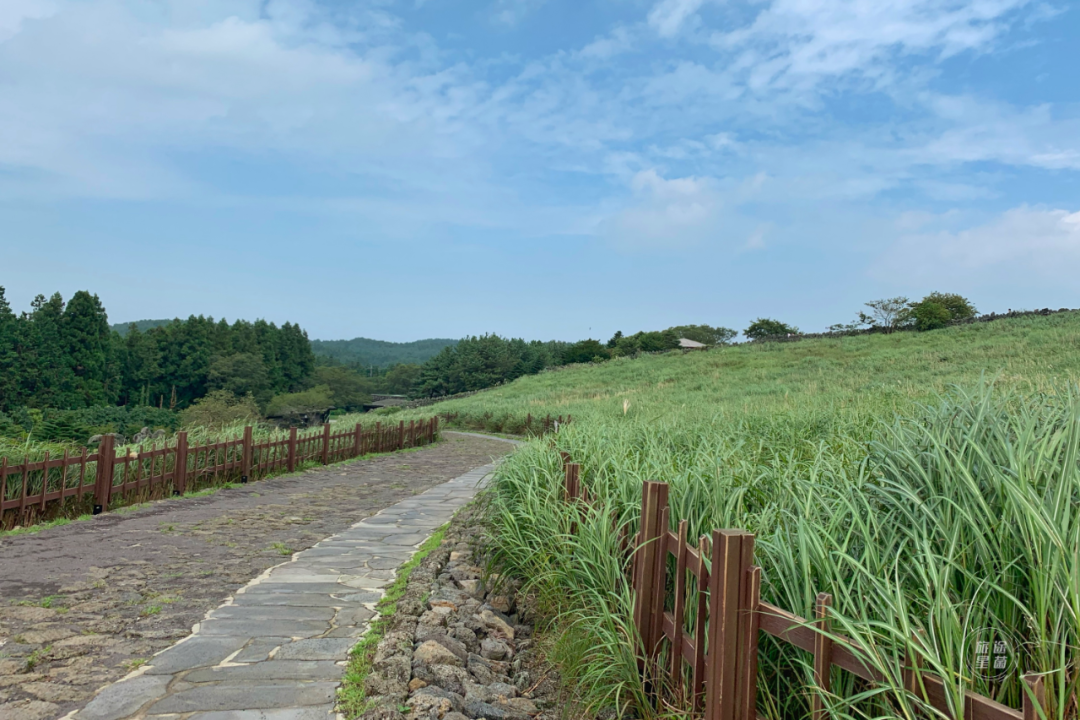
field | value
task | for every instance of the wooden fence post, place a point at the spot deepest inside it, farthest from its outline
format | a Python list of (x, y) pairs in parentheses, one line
[(357, 436), (401, 435), (245, 460), (180, 469), (1034, 697), (572, 481), (822, 656), (654, 501), (326, 444), (378, 436), (750, 624), (106, 458), (434, 428), (412, 433), (290, 463), (732, 553)]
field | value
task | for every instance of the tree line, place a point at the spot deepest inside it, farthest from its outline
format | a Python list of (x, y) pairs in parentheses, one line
[(64, 355), (484, 361)]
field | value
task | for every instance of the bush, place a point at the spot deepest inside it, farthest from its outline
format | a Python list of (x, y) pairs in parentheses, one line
[(767, 327), (315, 400), (585, 351), (937, 310), (220, 408)]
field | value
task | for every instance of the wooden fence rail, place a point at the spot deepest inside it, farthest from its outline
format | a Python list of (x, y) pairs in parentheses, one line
[(718, 656), (103, 477), (537, 426)]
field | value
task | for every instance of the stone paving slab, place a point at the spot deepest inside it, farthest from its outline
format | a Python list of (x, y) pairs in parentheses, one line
[(278, 648)]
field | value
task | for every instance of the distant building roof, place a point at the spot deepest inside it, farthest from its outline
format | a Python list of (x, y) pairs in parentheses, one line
[(686, 344)]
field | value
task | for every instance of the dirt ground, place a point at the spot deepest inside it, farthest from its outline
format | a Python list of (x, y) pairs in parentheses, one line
[(83, 604)]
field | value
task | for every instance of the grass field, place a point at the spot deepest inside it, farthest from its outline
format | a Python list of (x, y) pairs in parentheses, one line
[(930, 482)]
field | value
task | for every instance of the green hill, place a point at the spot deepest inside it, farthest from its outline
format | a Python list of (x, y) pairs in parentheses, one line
[(380, 353), (927, 481), (141, 325)]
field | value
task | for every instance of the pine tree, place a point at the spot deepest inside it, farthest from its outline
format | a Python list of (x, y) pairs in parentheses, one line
[(10, 396), (46, 377), (141, 366), (85, 331)]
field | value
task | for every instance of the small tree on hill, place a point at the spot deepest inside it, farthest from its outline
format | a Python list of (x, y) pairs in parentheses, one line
[(585, 351), (705, 334), (888, 314), (767, 327), (937, 310)]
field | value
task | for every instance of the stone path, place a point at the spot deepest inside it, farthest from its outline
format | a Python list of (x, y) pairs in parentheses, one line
[(277, 649)]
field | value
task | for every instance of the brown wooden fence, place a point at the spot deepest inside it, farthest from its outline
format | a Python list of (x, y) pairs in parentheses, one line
[(31, 491), (714, 663), (533, 426)]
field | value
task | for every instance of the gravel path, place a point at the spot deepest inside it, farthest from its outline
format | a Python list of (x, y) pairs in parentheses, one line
[(87, 602)]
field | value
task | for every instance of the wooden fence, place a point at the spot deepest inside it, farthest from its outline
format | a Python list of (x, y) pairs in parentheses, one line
[(31, 491), (715, 662), (533, 426)]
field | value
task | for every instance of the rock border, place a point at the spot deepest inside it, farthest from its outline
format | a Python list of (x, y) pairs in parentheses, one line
[(453, 647)]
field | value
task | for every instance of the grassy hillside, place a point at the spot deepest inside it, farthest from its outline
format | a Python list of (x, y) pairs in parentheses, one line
[(365, 352), (928, 481), (872, 374)]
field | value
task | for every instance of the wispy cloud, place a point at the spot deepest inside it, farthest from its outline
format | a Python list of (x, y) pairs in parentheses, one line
[(1024, 242), (667, 17)]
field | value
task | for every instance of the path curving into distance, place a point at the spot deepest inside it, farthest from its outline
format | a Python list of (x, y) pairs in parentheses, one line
[(275, 649)]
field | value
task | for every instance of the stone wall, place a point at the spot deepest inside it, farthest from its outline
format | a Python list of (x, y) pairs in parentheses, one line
[(454, 648)]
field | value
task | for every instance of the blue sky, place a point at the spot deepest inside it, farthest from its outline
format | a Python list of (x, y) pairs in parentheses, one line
[(401, 169)]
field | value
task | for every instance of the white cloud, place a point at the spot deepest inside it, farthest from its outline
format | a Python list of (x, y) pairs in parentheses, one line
[(796, 44), (666, 213), (980, 130), (668, 16), (756, 241), (511, 12), (14, 13), (1021, 243)]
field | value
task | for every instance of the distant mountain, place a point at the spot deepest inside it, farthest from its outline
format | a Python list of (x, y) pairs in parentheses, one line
[(364, 351), (142, 325)]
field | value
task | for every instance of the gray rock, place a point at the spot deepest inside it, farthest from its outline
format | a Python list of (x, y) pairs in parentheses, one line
[(432, 653), (431, 698), (194, 652), (481, 670), (125, 697), (449, 678), (455, 646), (247, 697), (466, 637), (493, 649), (316, 649), (479, 709)]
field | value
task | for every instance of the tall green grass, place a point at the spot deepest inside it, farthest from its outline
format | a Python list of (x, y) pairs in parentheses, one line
[(959, 518), (929, 482)]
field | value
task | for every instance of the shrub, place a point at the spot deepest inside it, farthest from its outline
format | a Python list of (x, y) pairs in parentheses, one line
[(937, 310), (315, 400), (220, 408), (767, 327)]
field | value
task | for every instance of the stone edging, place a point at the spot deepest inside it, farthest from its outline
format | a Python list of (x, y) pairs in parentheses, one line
[(451, 651)]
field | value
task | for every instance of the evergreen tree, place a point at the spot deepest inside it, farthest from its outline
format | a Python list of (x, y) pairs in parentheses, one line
[(141, 366), (295, 356), (46, 378), (10, 395), (85, 331)]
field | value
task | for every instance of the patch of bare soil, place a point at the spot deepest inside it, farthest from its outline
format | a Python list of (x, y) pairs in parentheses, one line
[(84, 603)]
